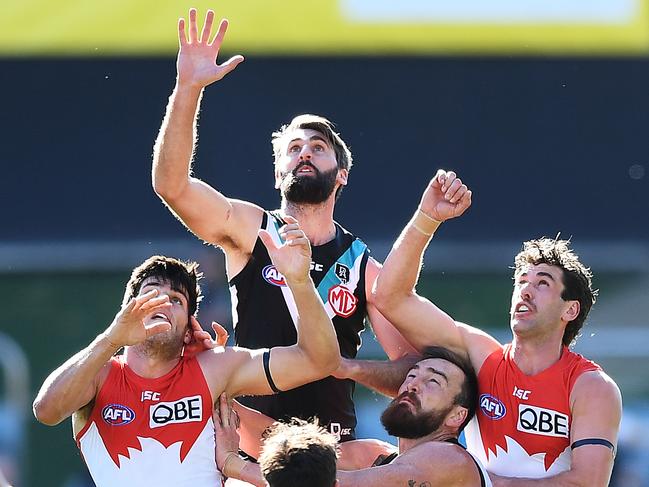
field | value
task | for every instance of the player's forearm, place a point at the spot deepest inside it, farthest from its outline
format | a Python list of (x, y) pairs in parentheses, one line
[(174, 147), (384, 376), (570, 478), (316, 334), (401, 269), (69, 387)]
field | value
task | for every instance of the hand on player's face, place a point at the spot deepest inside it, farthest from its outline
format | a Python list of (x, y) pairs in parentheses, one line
[(292, 258), (445, 197), (196, 62), (134, 324)]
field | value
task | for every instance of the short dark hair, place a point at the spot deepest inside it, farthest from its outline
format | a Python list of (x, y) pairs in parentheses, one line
[(576, 277), (181, 276), (299, 453), (468, 395), (326, 128)]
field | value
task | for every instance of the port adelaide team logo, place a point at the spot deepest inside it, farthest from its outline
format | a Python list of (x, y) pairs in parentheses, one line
[(492, 407), (117, 415), (272, 276), (342, 300)]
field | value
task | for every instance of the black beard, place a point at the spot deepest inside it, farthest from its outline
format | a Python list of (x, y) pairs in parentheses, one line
[(308, 189), (399, 421)]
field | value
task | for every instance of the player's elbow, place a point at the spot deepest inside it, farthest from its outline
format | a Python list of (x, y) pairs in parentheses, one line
[(326, 361), (168, 191), (386, 300), (45, 411)]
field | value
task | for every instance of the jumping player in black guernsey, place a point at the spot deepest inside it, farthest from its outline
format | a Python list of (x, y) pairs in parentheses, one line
[(312, 165)]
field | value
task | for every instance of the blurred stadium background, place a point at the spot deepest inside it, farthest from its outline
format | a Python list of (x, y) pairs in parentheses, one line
[(542, 107)]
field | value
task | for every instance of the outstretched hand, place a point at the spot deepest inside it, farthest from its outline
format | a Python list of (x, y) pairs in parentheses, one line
[(292, 258), (445, 197), (128, 327), (196, 62)]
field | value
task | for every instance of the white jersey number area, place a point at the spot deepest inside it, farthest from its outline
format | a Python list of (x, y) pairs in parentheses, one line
[(185, 410)]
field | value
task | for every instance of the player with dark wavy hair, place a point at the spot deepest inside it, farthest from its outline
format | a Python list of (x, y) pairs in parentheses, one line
[(145, 417)]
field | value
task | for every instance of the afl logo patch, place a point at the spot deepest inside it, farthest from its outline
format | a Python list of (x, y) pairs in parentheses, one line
[(117, 415), (492, 407), (342, 301), (273, 276)]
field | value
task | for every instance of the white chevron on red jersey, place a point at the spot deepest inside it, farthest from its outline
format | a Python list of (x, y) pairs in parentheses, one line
[(522, 424), (151, 431)]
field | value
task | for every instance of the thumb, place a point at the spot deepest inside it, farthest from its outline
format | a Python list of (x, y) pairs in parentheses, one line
[(157, 328), (267, 240), (439, 179), (221, 334), (229, 65)]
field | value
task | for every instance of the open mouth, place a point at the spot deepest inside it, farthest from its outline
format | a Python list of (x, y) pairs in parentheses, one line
[(523, 308)]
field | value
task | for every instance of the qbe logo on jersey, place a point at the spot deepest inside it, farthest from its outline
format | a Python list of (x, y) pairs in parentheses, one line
[(185, 410), (117, 414), (541, 421), (342, 301), (272, 276)]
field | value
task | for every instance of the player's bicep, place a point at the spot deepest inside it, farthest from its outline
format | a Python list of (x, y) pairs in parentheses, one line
[(214, 218), (247, 375), (596, 415)]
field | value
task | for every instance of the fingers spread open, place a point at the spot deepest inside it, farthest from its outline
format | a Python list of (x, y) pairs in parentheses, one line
[(267, 240), (182, 35), (218, 39), (207, 27), (193, 28)]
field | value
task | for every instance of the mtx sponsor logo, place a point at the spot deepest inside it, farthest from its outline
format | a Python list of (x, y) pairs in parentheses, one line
[(185, 410), (273, 276), (541, 421), (117, 414), (342, 301), (492, 407)]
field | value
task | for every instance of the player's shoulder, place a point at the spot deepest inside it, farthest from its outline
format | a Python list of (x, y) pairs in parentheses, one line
[(596, 385), (429, 456)]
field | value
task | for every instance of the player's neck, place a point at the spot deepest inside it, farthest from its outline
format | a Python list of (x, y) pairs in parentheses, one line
[(315, 220), (150, 365), (533, 355), (406, 444)]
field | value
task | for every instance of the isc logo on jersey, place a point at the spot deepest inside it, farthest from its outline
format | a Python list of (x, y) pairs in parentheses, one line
[(541, 421), (492, 407), (185, 410), (117, 415), (342, 301), (273, 276)]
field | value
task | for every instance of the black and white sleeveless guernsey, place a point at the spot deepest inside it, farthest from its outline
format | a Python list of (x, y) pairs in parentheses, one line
[(264, 315)]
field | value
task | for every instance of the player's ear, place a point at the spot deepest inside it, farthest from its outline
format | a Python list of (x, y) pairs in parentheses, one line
[(456, 416)]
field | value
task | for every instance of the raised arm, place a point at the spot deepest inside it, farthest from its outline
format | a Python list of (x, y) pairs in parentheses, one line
[(419, 320), (592, 462), (383, 376), (392, 342), (75, 383), (316, 353), (202, 209)]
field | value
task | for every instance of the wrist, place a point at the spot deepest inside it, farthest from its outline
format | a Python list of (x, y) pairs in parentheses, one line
[(233, 465), (109, 342), (424, 223)]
